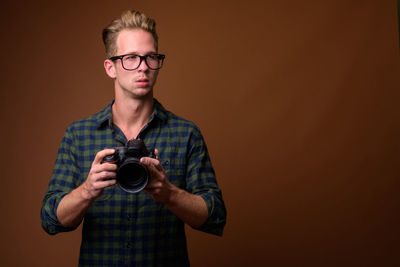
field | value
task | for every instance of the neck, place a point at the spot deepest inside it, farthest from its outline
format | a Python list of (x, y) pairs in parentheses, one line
[(131, 114)]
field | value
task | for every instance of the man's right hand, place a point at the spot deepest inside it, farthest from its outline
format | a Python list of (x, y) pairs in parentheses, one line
[(73, 206), (101, 175)]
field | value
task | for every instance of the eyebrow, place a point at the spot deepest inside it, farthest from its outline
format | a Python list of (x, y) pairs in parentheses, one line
[(136, 53)]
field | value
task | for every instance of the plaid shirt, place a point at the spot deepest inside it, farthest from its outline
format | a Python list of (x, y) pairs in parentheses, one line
[(122, 229)]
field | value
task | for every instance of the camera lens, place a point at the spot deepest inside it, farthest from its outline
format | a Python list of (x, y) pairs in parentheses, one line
[(132, 176)]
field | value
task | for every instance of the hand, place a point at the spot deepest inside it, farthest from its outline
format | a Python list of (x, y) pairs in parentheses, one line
[(159, 186), (100, 176), (190, 208)]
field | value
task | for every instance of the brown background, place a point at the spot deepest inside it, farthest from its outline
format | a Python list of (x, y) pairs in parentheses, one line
[(298, 102)]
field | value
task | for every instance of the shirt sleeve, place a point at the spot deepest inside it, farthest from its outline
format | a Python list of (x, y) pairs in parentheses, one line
[(201, 181), (64, 179)]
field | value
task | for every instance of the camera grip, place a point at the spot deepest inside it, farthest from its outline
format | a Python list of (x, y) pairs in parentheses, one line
[(113, 158)]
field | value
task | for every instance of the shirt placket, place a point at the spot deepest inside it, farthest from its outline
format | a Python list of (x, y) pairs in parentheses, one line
[(130, 222)]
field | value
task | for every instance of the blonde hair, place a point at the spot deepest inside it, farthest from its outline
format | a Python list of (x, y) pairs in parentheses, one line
[(130, 19)]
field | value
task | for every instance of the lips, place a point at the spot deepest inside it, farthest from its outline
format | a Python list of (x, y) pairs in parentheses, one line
[(142, 82)]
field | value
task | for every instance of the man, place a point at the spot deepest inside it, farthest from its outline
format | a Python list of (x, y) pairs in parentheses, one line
[(121, 228)]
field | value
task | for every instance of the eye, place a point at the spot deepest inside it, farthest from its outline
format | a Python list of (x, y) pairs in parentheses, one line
[(153, 57), (131, 57)]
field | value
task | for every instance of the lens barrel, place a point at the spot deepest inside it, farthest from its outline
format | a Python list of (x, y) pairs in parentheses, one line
[(132, 176)]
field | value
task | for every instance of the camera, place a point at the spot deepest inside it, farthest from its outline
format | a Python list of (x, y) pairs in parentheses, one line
[(132, 176)]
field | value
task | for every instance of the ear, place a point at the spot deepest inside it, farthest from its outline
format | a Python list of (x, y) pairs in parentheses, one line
[(110, 68)]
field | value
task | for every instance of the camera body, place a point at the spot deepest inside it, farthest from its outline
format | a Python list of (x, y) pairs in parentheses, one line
[(132, 176)]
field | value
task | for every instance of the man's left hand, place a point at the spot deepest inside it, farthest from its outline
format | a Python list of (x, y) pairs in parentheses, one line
[(159, 186)]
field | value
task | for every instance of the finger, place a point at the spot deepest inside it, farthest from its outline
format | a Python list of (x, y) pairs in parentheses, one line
[(157, 168), (98, 168), (148, 191), (104, 184), (101, 154), (102, 176), (154, 185), (158, 165), (108, 167), (151, 191), (149, 162)]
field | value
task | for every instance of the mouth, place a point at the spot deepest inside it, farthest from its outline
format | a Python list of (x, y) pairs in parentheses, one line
[(142, 82)]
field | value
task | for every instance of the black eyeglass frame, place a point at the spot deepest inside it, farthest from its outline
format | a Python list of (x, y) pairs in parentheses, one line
[(142, 58)]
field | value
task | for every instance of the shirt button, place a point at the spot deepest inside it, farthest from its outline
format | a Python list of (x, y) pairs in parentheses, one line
[(129, 245), (130, 217)]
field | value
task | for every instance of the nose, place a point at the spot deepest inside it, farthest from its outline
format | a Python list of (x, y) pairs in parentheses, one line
[(143, 65)]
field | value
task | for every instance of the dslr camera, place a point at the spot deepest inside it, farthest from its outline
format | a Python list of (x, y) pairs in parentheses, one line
[(132, 176)]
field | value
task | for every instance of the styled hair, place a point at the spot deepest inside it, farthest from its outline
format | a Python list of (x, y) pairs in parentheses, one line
[(130, 19)]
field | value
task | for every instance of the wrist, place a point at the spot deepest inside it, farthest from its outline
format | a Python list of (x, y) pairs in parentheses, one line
[(174, 196), (85, 194)]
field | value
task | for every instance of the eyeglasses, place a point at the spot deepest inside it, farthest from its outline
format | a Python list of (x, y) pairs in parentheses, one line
[(132, 61)]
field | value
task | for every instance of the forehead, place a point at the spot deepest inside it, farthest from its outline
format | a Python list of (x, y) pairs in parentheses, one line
[(135, 41)]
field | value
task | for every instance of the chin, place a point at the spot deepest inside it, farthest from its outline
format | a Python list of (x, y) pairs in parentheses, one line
[(142, 93)]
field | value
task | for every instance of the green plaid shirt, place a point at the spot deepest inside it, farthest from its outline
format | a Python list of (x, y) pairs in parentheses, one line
[(122, 229)]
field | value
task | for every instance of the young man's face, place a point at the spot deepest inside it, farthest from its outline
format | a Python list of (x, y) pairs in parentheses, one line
[(136, 83)]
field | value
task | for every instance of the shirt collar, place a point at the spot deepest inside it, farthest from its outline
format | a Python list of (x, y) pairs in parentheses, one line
[(104, 117), (159, 111)]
